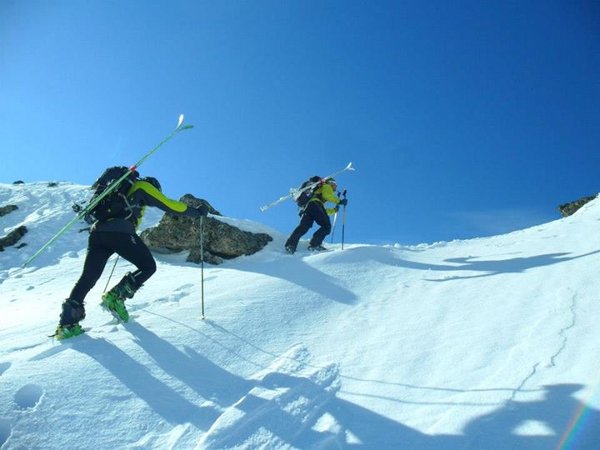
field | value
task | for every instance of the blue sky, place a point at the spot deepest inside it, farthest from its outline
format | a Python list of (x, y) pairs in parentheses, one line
[(463, 119)]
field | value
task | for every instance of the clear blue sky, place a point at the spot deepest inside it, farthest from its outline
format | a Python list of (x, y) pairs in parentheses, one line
[(463, 118)]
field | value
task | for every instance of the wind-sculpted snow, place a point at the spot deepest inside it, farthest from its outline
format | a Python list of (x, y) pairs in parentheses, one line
[(287, 400), (489, 343)]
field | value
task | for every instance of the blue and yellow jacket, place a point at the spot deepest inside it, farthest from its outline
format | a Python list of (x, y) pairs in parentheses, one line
[(140, 195), (324, 194)]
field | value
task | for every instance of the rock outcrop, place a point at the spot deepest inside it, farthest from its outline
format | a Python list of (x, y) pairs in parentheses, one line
[(4, 210), (569, 208), (13, 237), (221, 241)]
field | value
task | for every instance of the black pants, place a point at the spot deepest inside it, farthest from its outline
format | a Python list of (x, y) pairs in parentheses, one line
[(314, 212), (103, 244)]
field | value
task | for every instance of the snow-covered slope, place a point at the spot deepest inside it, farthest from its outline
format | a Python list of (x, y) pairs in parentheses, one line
[(481, 344)]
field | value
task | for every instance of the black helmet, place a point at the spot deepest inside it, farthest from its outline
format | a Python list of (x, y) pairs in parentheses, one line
[(153, 181)]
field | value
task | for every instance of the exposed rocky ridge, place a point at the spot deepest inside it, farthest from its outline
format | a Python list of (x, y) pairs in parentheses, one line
[(13, 237), (221, 241), (567, 209), (4, 210)]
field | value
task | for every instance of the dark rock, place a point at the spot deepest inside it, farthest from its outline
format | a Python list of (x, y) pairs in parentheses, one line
[(569, 208), (4, 210), (194, 202), (13, 237), (221, 241), (52, 184), (19, 182)]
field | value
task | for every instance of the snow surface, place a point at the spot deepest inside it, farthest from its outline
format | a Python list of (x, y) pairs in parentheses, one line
[(489, 343)]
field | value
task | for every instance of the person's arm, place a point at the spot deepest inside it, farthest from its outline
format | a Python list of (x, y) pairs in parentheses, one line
[(148, 195)]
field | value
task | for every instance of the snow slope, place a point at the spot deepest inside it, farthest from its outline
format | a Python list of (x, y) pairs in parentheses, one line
[(489, 343)]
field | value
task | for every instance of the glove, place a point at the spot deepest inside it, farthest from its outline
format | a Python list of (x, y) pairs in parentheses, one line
[(343, 202)]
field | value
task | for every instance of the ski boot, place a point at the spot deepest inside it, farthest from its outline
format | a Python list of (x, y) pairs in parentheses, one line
[(290, 249), (114, 300), (316, 248), (68, 331), (68, 326)]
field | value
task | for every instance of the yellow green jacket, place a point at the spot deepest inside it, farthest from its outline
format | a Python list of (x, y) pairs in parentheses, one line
[(324, 194)]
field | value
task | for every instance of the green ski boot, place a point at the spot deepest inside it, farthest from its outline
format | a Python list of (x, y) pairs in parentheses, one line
[(115, 304), (114, 300), (68, 331), (68, 326)]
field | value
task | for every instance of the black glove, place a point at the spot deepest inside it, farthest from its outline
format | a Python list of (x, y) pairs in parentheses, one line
[(343, 202)]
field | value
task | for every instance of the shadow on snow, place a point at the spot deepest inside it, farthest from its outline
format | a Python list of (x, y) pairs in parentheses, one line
[(355, 427)]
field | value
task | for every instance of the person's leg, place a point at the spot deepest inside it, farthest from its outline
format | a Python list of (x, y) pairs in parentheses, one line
[(305, 223), (322, 219), (136, 252), (95, 260), (131, 248)]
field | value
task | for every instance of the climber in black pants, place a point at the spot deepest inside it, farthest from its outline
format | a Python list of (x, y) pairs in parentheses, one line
[(118, 235)]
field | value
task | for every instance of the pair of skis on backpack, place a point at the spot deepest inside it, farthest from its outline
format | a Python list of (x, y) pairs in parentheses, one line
[(110, 302)]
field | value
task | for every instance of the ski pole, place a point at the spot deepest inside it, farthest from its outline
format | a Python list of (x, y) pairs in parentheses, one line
[(343, 219), (335, 216), (180, 126), (111, 274), (202, 262)]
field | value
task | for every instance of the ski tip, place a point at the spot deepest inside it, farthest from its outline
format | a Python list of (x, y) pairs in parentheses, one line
[(349, 166), (180, 122)]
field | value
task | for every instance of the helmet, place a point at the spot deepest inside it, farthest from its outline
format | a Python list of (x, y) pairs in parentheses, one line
[(331, 181), (153, 181)]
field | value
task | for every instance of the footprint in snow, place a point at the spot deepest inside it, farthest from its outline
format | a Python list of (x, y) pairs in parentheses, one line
[(173, 298), (29, 396), (184, 287)]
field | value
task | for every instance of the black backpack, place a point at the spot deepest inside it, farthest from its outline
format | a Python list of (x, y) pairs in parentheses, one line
[(115, 204), (307, 192)]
